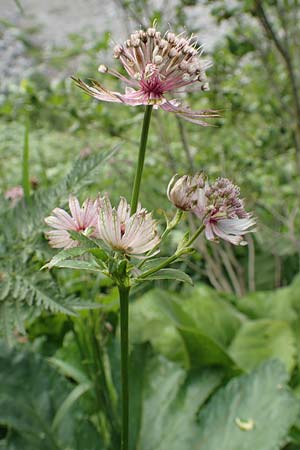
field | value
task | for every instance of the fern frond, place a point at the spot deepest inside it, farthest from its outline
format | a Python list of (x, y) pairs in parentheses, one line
[(27, 220)]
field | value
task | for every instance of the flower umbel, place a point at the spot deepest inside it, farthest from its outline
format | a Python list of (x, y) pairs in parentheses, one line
[(183, 191), (82, 219), (133, 235), (156, 66), (223, 212)]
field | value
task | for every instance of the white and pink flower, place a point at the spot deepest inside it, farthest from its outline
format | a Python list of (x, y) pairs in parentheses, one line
[(132, 234), (223, 214), (156, 66), (82, 219)]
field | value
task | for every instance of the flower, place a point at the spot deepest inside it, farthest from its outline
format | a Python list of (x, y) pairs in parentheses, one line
[(132, 234), (14, 194), (156, 66), (223, 212), (82, 220), (183, 191)]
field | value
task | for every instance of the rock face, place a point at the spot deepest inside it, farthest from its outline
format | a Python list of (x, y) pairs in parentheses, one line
[(55, 20)]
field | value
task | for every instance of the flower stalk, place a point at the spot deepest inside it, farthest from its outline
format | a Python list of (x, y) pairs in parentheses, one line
[(124, 303), (141, 158), (181, 251)]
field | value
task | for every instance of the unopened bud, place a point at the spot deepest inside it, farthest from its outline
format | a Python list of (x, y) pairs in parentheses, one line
[(102, 68)]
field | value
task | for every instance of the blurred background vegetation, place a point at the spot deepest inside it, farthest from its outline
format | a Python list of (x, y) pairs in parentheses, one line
[(245, 306)]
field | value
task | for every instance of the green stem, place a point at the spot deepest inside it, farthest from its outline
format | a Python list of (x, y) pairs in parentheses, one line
[(141, 159), (124, 297), (173, 258), (195, 235)]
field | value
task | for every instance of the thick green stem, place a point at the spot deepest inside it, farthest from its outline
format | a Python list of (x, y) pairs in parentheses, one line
[(141, 159), (124, 302)]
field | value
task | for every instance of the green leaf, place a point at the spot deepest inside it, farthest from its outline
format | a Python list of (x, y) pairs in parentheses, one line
[(260, 340), (170, 274), (80, 265), (253, 411), (270, 304), (149, 323), (28, 412), (84, 240), (206, 323), (63, 255), (64, 408), (99, 253), (171, 401)]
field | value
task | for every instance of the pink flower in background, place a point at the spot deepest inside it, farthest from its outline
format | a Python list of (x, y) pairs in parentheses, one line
[(156, 66), (223, 212), (132, 234), (82, 219), (14, 194), (183, 191)]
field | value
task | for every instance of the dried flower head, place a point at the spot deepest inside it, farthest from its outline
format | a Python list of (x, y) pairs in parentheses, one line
[(134, 234), (223, 212), (183, 191), (156, 66), (82, 219)]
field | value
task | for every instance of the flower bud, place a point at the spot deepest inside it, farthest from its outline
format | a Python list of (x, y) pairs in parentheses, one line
[(182, 192)]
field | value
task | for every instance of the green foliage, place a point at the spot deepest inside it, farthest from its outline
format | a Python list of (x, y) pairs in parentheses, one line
[(252, 411), (24, 291), (259, 340), (31, 414), (171, 401)]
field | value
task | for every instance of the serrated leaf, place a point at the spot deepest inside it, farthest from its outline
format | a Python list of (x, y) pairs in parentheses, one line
[(170, 274), (253, 411)]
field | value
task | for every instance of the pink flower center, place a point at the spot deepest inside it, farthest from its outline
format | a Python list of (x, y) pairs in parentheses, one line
[(80, 228), (122, 229), (151, 83), (152, 86)]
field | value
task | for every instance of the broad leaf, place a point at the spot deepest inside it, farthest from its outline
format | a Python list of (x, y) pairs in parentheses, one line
[(263, 339), (31, 396), (253, 411), (171, 401), (148, 322)]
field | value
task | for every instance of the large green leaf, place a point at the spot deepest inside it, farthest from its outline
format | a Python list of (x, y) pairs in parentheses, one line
[(194, 327), (31, 397), (206, 323), (149, 323), (263, 339), (171, 401), (270, 304), (253, 412)]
